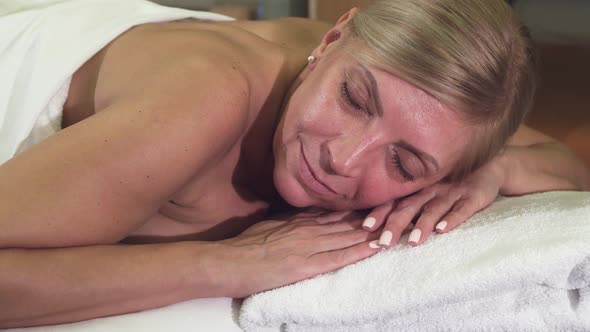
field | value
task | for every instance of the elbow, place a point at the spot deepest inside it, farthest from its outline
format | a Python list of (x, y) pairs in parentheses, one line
[(580, 178), (580, 172), (585, 183), (573, 184), (575, 173)]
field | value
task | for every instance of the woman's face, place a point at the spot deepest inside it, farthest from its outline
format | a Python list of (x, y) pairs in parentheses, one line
[(353, 137)]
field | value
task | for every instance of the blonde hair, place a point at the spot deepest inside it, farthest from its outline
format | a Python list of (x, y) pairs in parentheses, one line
[(473, 55)]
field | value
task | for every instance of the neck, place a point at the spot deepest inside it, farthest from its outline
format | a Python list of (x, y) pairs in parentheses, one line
[(256, 163)]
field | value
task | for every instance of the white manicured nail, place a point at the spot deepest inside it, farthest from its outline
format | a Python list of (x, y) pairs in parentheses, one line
[(374, 244), (415, 235), (369, 222), (441, 225), (385, 238)]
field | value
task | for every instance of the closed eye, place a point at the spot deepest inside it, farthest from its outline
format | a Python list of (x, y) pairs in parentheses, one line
[(349, 98), (397, 161)]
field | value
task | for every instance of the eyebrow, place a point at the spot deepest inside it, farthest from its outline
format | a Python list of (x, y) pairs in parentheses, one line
[(373, 90), (421, 154)]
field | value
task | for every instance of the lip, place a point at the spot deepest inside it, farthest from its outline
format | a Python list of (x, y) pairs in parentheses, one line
[(310, 179)]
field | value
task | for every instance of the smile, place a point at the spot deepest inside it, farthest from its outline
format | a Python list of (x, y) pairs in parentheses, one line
[(309, 178)]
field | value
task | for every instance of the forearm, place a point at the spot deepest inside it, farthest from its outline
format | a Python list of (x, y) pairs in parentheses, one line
[(52, 286), (541, 167)]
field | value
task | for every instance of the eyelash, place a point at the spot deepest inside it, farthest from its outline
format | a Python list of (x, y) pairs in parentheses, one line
[(349, 99), (398, 164)]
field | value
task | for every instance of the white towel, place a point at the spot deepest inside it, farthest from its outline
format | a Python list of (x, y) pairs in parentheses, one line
[(44, 42), (523, 264)]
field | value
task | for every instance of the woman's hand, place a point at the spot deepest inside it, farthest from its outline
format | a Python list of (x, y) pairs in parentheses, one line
[(274, 253), (440, 207)]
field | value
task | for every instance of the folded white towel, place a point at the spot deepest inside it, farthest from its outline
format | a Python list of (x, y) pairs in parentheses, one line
[(44, 42), (521, 264)]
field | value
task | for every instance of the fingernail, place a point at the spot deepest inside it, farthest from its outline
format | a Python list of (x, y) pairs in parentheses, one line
[(374, 244), (369, 222), (441, 225), (385, 238), (415, 235)]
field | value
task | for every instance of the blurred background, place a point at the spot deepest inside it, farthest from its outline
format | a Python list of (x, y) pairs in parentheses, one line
[(561, 29), (555, 21), (246, 9)]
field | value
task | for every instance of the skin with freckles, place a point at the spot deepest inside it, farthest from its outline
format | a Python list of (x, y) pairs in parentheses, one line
[(354, 135)]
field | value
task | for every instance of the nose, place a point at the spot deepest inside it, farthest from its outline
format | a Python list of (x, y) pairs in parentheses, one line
[(347, 156)]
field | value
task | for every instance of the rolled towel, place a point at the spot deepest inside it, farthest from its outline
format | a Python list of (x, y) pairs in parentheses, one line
[(521, 264)]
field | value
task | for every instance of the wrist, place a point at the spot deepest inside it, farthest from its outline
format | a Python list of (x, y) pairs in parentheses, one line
[(228, 268), (211, 275)]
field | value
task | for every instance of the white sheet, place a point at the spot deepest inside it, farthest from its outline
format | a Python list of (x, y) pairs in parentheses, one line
[(215, 315), (45, 41)]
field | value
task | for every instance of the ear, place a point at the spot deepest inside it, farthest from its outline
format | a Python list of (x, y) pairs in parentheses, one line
[(335, 33)]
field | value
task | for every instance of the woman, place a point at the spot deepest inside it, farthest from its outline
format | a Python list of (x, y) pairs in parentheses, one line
[(179, 136)]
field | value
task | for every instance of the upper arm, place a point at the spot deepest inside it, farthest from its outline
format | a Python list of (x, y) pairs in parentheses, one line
[(95, 181)]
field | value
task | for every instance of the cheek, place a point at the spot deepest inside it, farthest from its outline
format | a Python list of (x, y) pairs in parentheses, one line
[(375, 190), (314, 106), (315, 121), (284, 178)]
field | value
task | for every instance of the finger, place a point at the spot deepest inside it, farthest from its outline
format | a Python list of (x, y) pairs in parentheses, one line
[(333, 260), (338, 216), (341, 240), (432, 213), (264, 226), (298, 214), (377, 216), (339, 226), (408, 228), (462, 210), (312, 227), (311, 212), (405, 210)]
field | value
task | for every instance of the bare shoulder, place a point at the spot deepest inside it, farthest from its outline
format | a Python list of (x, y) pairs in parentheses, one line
[(303, 29), (204, 86), (178, 58), (292, 32), (96, 181)]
